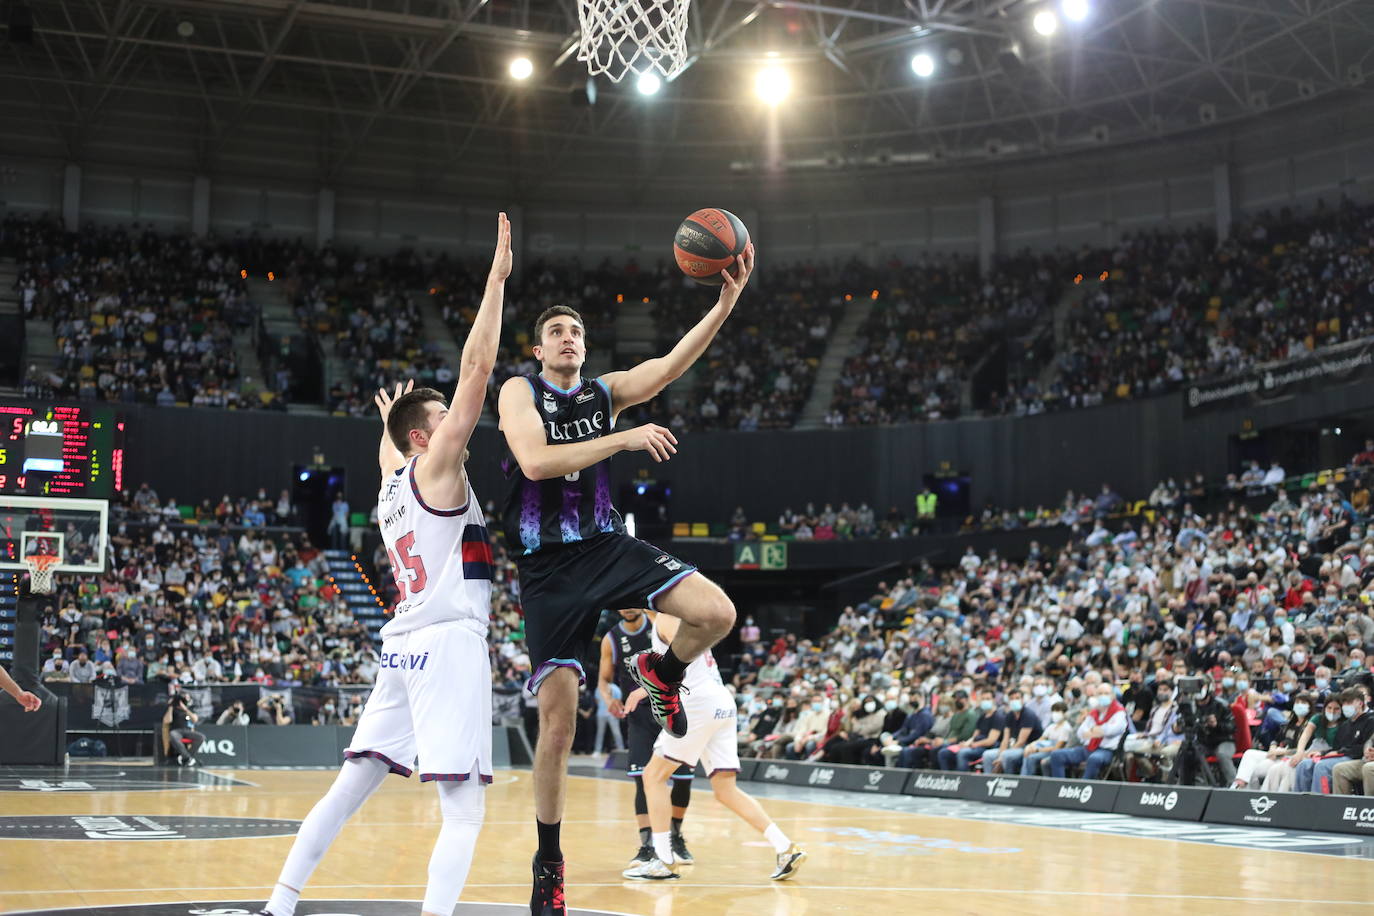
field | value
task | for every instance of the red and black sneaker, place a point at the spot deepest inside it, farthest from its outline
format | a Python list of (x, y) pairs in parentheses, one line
[(547, 897), (664, 702)]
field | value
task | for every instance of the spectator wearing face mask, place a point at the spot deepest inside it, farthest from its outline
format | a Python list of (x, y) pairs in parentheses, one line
[(1100, 732), (1022, 728), (1355, 730), (810, 729), (860, 735), (1318, 737), (1058, 734), (987, 733), (1256, 765), (1042, 699)]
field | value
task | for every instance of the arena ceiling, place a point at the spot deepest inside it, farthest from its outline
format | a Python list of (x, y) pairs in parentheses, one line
[(416, 93)]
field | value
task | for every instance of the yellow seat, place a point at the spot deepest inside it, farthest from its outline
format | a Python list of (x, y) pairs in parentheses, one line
[(700, 530), (759, 527)]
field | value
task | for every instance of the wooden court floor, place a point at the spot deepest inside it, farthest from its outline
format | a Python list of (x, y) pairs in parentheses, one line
[(980, 867)]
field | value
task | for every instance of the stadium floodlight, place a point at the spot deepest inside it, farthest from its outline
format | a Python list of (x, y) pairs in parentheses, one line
[(1045, 22), (772, 85), (923, 65), (521, 68), (1075, 10), (649, 83)]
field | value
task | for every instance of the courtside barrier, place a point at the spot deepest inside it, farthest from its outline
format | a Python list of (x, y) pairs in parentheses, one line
[(1287, 810)]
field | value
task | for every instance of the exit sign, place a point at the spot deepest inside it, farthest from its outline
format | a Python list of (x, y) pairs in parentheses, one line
[(770, 555)]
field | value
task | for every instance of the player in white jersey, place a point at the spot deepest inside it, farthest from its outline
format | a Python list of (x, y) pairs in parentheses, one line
[(711, 738), (432, 698)]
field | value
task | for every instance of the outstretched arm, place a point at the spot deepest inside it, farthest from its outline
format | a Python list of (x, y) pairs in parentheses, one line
[(524, 430), (23, 697), (440, 473), (643, 382)]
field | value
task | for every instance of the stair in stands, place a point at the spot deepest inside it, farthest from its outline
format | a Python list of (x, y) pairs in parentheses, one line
[(1069, 303), (353, 583), (839, 349)]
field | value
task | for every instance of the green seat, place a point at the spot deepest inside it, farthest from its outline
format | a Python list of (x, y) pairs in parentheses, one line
[(187, 511), (358, 519)]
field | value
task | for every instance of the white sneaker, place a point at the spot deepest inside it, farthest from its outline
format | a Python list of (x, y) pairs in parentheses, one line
[(789, 863), (653, 870)]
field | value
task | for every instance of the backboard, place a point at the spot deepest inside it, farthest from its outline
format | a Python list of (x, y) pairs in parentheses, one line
[(75, 529)]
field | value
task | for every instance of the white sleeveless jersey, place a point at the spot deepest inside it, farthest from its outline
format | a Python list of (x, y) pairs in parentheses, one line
[(441, 558), (702, 678)]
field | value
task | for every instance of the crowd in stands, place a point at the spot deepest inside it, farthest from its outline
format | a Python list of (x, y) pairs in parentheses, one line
[(137, 315), (141, 315), (760, 370), (1048, 664), (209, 595), (1178, 307), (365, 311), (933, 322)]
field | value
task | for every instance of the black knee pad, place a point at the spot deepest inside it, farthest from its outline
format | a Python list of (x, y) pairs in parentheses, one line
[(682, 789), (641, 803)]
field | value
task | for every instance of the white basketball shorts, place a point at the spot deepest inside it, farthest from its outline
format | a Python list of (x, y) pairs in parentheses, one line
[(432, 699), (710, 735)]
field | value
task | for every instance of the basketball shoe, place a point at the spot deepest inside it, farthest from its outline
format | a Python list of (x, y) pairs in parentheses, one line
[(789, 863), (681, 855), (664, 702), (546, 899), (645, 854), (653, 870)]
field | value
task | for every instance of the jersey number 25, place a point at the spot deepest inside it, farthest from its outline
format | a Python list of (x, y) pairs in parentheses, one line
[(413, 576)]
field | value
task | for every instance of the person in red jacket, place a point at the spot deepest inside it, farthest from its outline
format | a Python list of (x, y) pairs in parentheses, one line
[(1100, 732)]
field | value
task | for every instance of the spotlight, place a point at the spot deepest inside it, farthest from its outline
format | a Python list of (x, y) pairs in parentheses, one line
[(923, 65), (1075, 10), (772, 85), (649, 83), (521, 68), (1045, 22)]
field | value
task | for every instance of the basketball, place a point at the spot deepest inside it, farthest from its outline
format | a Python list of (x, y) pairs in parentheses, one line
[(708, 242)]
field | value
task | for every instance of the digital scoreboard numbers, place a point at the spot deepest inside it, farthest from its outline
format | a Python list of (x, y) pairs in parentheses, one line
[(9, 615), (48, 450)]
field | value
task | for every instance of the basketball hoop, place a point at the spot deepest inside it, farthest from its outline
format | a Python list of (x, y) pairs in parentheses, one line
[(41, 567), (623, 36)]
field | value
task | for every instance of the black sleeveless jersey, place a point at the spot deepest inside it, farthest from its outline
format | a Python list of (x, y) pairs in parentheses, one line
[(576, 507), (624, 645)]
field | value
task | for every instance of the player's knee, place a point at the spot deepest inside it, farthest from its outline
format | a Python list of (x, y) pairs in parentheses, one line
[(556, 733), (720, 614)]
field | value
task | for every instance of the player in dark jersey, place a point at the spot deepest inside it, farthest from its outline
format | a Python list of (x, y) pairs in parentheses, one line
[(626, 639), (570, 546)]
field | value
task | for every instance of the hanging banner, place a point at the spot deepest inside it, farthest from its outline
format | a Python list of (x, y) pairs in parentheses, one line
[(1308, 373)]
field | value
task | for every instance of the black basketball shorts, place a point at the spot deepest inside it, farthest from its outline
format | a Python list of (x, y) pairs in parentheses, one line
[(564, 589), (641, 749)]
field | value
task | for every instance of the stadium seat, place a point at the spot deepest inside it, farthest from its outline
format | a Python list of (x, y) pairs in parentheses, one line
[(701, 530), (682, 530)]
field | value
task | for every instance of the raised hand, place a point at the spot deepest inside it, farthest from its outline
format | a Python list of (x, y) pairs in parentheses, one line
[(734, 285), (383, 400), (501, 260)]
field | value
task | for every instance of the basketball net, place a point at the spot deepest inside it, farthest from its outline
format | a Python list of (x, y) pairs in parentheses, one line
[(623, 36), (41, 568)]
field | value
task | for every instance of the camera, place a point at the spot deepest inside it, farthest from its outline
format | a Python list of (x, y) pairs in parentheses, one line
[(1189, 688)]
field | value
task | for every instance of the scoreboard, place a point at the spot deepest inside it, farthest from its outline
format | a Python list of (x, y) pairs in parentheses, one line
[(48, 450)]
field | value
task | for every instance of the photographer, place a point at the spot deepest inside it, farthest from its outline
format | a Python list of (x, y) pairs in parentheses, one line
[(272, 711), (177, 724), (1214, 724), (234, 714)]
